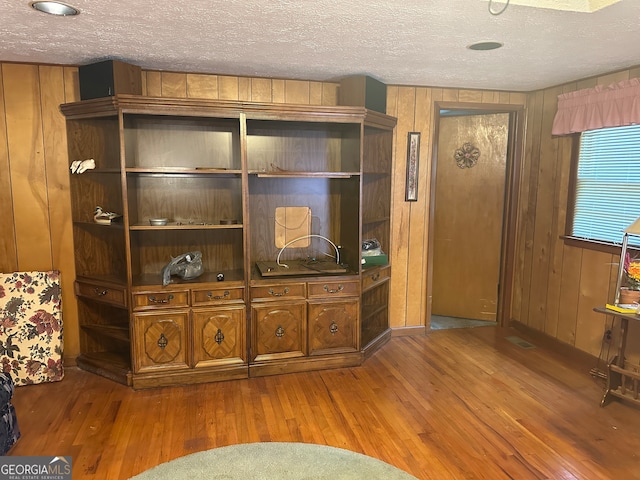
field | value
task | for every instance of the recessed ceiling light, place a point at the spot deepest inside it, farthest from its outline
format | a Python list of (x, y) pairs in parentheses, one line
[(55, 8), (583, 6), (485, 46)]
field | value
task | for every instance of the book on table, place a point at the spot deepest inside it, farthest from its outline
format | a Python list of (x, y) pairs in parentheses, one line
[(623, 307)]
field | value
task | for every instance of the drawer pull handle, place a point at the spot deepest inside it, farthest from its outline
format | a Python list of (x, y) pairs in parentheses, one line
[(162, 341), (330, 290), (279, 331), (278, 294), (219, 338), (218, 297), (333, 328), (153, 299), (100, 293), (375, 276)]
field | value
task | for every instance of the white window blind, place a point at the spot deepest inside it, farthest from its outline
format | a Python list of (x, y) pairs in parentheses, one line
[(608, 183)]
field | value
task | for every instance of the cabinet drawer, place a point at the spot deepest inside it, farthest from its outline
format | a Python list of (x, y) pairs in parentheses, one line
[(214, 296), (333, 289), (373, 276), (280, 291), (111, 294), (161, 299)]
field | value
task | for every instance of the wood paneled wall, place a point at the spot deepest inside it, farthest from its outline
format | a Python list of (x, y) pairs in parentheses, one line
[(35, 216), (556, 286), (221, 87), (414, 108)]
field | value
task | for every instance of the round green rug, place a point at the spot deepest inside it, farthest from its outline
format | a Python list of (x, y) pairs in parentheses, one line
[(275, 461)]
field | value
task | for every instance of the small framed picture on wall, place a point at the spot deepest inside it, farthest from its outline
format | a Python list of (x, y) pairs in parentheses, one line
[(413, 159)]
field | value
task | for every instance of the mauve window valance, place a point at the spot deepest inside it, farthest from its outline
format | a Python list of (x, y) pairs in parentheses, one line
[(600, 107)]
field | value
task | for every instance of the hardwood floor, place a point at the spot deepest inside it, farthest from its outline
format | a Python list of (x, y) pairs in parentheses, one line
[(455, 404)]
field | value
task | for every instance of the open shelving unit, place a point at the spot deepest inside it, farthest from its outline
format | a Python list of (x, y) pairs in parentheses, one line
[(221, 173)]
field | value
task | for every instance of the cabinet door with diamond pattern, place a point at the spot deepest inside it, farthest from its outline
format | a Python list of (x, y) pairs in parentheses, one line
[(161, 340), (333, 327), (279, 330), (219, 336)]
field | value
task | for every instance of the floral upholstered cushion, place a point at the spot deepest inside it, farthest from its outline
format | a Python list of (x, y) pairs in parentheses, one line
[(31, 326)]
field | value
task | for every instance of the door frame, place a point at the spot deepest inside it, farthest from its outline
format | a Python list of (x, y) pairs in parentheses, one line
[(515, 155)]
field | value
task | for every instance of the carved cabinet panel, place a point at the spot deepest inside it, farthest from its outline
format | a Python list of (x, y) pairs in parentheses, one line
[(333, 327), (161, 340), (219, 336), (279, 330)]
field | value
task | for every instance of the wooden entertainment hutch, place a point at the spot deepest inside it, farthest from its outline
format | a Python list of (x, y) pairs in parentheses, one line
[(222, 172)]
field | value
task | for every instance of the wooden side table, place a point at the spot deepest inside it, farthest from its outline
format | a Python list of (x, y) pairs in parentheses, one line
[(621, 381)]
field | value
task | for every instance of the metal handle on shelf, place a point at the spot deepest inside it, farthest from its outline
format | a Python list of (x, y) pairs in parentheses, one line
[(329, 290), (218, 297), (100, 293), (277, 294), (153, 299)]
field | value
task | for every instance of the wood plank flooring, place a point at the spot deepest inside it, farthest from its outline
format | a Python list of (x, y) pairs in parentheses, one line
[(454, 404)]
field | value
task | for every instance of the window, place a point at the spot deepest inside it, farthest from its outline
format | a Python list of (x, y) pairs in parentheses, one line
[(607, 183)]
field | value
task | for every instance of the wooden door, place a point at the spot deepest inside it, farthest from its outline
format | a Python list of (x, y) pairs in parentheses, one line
[(279, 330), (219, 336), (333, 326), (161, 340), (469, 214)]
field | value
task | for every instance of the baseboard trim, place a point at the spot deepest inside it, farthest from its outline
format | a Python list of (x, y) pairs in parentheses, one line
[(70, 361), (580, 358), (408, 331)]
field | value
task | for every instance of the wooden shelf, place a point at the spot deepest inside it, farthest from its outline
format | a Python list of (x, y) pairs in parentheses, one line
[(107, 280), (185, 226), (98, 171), (371, 310), (231, 278), (291, 174), (622, 381), (625, 395), (120, 333), (371, 221), (168, 171), (627, 384), (107, 364), (117, 225)]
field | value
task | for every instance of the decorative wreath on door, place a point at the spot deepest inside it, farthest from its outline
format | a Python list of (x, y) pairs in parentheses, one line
[(467, 156)]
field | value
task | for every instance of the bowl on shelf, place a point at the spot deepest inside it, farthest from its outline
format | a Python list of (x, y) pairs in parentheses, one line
[(158, 222)]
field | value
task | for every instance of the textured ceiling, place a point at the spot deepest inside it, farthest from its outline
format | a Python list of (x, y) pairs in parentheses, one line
[(398, 42)]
